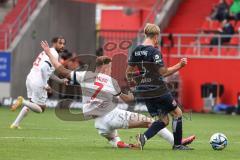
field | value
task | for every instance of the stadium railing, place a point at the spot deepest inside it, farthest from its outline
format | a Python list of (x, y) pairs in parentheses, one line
[(9, 30), (174, 45), (198, 45)]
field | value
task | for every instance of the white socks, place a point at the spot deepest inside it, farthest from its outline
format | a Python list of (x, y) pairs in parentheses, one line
[(27, 105), (20, 116), (34, 107), (167, 135)]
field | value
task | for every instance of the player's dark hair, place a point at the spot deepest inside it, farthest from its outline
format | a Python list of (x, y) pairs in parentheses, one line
[(55, 39), (66, 54), (99, 52), (102, 60)]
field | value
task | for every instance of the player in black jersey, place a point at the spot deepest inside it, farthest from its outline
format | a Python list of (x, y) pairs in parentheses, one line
[(146, 69)]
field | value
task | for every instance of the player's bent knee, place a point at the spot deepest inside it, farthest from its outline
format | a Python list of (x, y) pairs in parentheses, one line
[(43, 107), (139, 121), (164, 119), (166, 123), (147, 124), (177, 113), (106, 135)]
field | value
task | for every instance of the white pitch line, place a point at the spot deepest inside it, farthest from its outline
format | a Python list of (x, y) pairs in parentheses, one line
[(58, 129), (40, 138)]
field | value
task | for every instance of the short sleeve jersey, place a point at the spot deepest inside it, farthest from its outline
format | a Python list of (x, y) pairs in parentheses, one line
[(148, 60), (42, 68), (98, 92)]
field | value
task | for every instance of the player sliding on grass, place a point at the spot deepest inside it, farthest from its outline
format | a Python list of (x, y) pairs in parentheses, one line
[(36, 82), (99, 92)]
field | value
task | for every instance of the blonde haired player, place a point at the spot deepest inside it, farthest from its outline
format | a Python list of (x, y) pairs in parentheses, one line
[(37, 82), (152, 89), (99, 92)]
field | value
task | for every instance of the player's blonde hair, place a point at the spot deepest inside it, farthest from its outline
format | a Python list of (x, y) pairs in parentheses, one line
[(151, 30)]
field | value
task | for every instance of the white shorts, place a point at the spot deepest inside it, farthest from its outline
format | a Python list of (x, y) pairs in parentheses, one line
[(36, 93), (116, 119)]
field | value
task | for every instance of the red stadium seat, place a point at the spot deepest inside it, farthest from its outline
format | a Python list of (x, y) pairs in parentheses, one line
[(213, 51), (229, 2), (22, 1), (206, 40), (191, 51), (216, 52), (237, 26), (2, 44), (33, 5), (233, 52), (210, 26), (232, 22), (224, 51), (235, 40), (205, 51)]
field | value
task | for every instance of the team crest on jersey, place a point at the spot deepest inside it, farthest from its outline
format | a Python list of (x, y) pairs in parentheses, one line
[(174, 103), (157, 57)]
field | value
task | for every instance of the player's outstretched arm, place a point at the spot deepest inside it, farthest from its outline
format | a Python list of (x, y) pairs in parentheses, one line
[(117, 92), (46, 48), (130, 74), (129, 70), (59, 80), (128, 98), (59, 68), (171, 70)]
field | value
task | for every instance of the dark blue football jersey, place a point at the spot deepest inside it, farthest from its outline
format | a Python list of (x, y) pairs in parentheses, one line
[(146, 54), (148, 61)]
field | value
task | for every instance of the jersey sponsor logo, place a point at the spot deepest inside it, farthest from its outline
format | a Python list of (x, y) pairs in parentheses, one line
[(174, 103), (140, 53), (146, 80)]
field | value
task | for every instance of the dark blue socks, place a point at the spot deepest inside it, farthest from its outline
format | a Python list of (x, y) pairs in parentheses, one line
[(154, 129), (177, 130)]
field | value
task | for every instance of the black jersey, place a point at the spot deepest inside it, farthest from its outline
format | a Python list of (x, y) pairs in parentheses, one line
[(148, 60)]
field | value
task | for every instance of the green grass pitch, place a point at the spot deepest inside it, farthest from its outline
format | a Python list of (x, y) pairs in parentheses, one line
[(45, 137)]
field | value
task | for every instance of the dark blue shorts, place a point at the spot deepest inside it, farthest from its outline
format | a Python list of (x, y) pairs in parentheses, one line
[(161, 105)]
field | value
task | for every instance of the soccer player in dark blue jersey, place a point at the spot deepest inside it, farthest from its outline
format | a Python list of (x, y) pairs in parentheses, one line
[(146, 69)]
